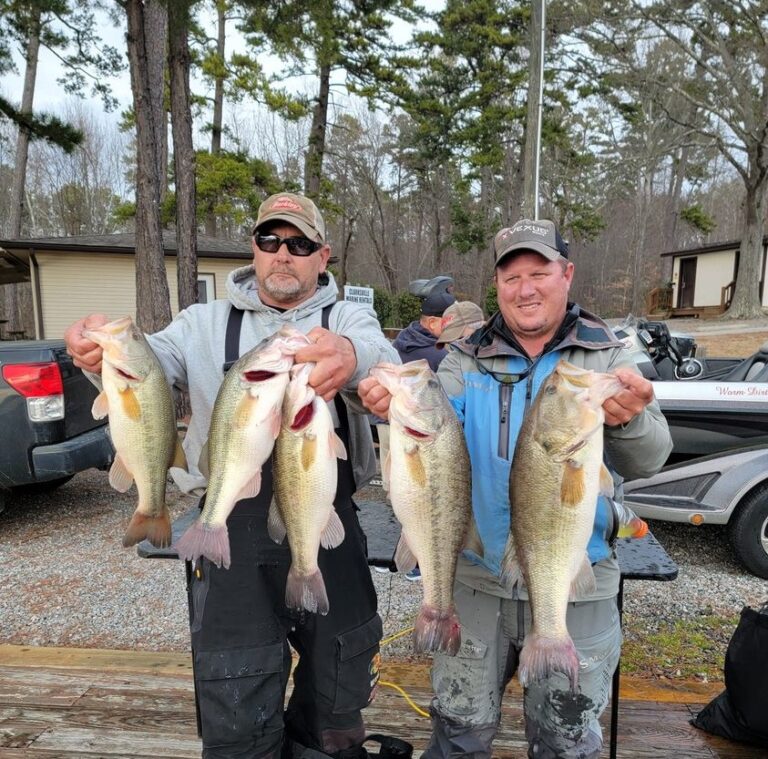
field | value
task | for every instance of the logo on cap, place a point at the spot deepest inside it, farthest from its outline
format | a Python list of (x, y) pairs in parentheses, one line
[(535, 229), (286, 204)]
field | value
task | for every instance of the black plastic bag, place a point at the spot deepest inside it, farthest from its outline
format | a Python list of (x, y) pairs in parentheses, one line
[(740, 712)]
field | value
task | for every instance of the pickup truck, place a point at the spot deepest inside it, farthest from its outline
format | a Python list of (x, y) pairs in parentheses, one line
[(47, 431)]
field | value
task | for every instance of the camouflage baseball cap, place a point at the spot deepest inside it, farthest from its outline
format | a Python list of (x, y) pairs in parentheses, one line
[(459, 316), (295, 209), (538, 236)]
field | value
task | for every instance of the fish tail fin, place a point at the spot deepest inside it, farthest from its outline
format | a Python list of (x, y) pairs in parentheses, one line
[(306, 592), (211, 542), (542, 656), (437, 630), (155, 528)]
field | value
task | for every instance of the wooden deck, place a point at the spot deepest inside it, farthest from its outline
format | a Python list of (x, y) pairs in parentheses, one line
[(68, 703)]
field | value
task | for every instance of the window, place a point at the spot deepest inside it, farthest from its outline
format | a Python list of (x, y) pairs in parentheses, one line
[(206, 288)]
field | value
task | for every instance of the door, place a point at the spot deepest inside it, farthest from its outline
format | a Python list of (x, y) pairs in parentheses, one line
[(687, 283)]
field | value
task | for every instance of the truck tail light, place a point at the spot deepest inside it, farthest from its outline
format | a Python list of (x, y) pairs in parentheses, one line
[(41, 385)]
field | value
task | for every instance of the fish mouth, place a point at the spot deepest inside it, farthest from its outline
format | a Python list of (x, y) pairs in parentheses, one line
[(116, 327), (418, 434), (387, 374), (300, 393), (258, 375), (410, 426), (271, 361), (127, 375), (303, 417)]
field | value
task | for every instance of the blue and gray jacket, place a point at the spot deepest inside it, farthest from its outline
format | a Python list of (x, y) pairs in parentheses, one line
[(491, 383)]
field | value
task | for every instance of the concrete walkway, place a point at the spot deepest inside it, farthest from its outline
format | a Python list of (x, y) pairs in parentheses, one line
[(717, 326)]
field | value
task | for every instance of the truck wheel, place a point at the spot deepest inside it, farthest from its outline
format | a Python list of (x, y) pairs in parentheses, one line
[(749, 532)]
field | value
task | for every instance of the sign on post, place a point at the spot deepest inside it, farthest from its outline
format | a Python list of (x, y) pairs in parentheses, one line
[(358, 294)]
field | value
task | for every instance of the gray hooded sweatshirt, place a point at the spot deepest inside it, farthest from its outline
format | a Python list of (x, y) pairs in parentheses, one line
[(191, 350)]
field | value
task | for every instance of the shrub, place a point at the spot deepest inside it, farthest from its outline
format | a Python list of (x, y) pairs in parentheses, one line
[(382, 304), (491, 301), (407, 309)]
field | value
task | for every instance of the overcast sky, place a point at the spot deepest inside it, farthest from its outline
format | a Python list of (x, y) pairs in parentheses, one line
[(50, 96)]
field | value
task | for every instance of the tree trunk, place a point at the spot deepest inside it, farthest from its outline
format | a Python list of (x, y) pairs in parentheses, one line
[(218, 92), (746, 296), (313, 166), (343, 276), (146, 23), (218, 107), (347, 233), (19, 295), (183, 152), (486, 263)]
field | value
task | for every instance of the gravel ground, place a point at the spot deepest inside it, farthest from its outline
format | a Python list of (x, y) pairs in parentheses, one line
[(67, 581)]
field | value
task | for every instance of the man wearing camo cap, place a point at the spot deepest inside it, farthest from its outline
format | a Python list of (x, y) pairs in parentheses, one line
[(460, 320)]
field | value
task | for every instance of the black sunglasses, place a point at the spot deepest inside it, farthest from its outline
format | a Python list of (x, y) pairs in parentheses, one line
[(297, 246)]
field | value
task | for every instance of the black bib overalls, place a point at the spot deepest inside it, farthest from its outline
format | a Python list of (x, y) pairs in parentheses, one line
[(241, 629)]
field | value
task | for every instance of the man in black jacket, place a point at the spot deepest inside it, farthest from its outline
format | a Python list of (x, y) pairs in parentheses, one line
[(418, 339)]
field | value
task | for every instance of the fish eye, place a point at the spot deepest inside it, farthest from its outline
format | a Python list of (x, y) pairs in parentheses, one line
[(550, 389), (432, 383)]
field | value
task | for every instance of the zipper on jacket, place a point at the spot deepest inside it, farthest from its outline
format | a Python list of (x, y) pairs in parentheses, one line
[(505, 395), (529, 389)]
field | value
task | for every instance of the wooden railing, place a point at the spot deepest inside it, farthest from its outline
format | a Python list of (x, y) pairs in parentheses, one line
[(726, 295), (659, 300)]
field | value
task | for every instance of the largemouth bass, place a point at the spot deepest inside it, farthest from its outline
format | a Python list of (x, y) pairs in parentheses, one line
[(245, 423), (557, 474), (142, 425), (305, 478), (429, 486)]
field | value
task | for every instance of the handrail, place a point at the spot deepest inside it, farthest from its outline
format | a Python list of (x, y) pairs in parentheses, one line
[(659, 299), (726, 295)]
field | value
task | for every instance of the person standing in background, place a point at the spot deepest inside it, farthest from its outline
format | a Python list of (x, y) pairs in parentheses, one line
[(460, 320), (419, 338)]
